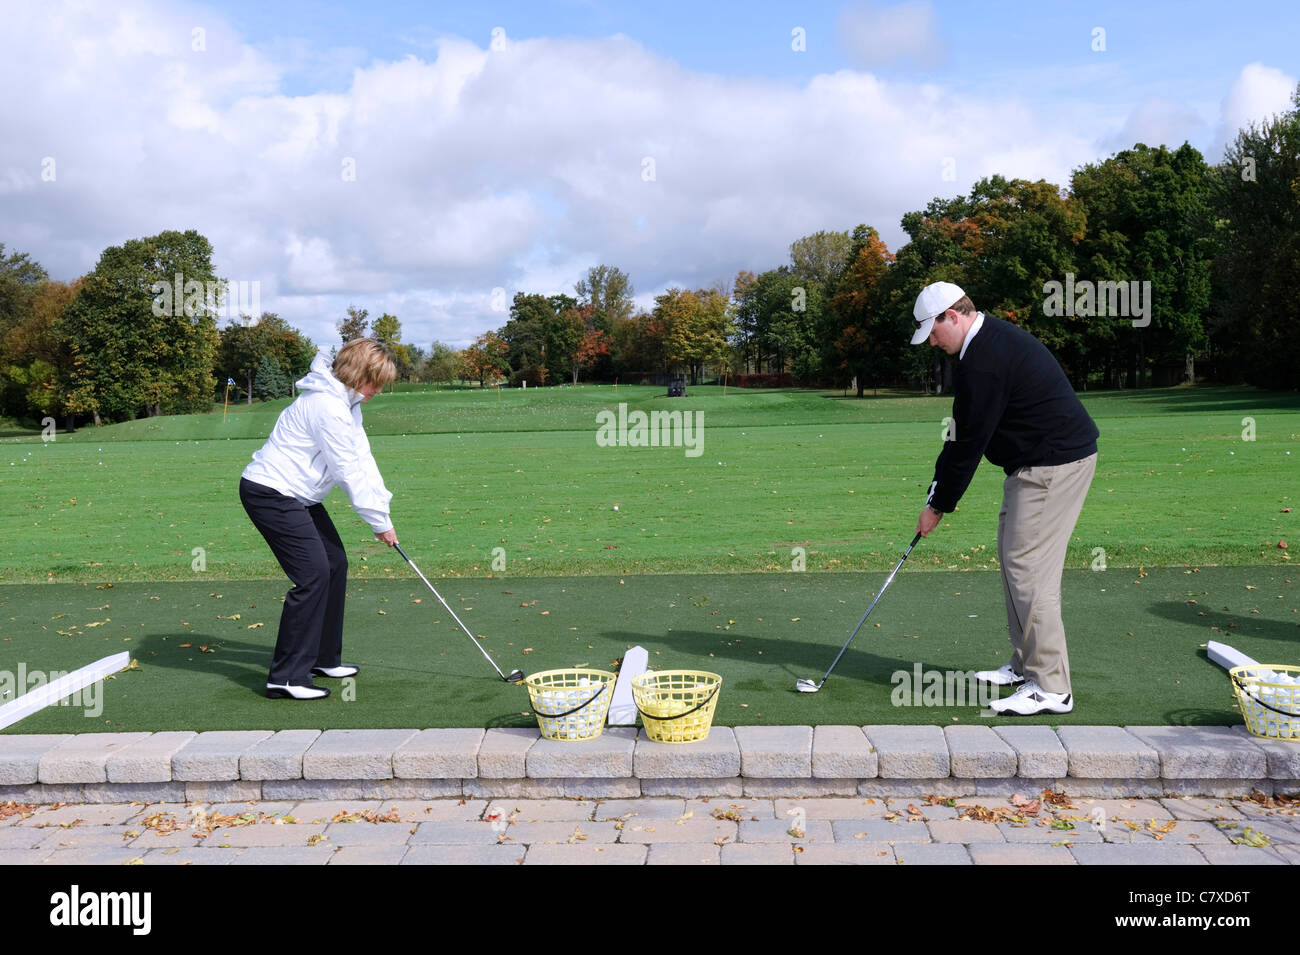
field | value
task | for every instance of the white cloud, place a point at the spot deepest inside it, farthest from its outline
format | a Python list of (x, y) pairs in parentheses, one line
[(1259, 93), (474, 169)]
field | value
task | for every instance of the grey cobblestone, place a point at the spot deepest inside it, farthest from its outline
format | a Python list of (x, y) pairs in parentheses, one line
[(494, 854), (839, 853), (729, 788), (932, 854), (242, 790), (503, 752), (214, 756), (439, 754), (1283, 757), (20, 756), (910, 752), (878, 830), (369, 855), (608, 756), (775, 752), (782, 830), (1128, 854), (842, 752), (1214, 752), (667, 853), (976, 752), (1108, 752), (148, 761), (798, 788), (585, 854), (758, 854), (362, 788), (353, 754), (277, 757), (83, 758), (717, 757), (1039, 752), (1020, 854)]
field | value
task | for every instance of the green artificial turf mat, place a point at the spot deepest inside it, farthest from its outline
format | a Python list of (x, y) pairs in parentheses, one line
[(1136, 645)]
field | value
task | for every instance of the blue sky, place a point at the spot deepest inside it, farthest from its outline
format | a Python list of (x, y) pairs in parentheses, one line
[(393, 156)]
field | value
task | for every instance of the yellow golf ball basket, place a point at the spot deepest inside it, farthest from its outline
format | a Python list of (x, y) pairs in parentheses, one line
[(570, 705), (676, 706), (1269, 697)]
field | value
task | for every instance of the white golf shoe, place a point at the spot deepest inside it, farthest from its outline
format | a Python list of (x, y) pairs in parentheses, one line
[(1002, 676), (288, 691), (1030, 700)]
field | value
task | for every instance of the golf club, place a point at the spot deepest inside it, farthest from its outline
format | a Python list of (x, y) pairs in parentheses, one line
[(516, 676), (808, 686)]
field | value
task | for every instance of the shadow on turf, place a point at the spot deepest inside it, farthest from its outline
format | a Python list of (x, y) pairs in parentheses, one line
[(792, 660), (242, 663), (245, 664), (1203, 616)]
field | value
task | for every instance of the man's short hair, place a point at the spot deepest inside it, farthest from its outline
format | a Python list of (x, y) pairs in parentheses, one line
[(964, 305)]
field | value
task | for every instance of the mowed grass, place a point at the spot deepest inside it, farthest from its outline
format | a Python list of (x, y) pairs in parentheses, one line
[(131, 537), (513, 483)]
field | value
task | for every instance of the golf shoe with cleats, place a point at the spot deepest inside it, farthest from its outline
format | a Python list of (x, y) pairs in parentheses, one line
[(1002, 676), (1030, 700)]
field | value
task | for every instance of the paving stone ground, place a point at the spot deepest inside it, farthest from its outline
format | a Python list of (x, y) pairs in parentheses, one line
[(905, 830)]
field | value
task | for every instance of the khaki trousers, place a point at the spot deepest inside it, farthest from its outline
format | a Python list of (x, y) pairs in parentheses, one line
[(1040, 507)]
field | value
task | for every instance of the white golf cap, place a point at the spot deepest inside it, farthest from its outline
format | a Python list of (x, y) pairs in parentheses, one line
[(934, 298)]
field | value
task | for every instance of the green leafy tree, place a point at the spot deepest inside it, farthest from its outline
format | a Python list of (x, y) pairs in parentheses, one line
[(864, 341), (778, 320), (1256, 201), (34, 362), (245, 343), (696, 328), (821, 257), (1148, 218), (20, 277), (271, 381), (444, 364), (134, 347), (355, 325), (486, 358)]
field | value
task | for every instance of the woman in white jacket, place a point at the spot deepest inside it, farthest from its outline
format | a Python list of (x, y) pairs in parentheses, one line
[(318, 444)]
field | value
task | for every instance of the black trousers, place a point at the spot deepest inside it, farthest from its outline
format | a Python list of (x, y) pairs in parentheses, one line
[(309, 550)]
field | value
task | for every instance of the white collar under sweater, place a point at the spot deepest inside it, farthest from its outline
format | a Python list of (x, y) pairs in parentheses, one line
[(974, 328)]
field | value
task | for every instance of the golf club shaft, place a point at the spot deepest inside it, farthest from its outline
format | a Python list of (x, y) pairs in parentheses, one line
[(888, 581), (450, 611)]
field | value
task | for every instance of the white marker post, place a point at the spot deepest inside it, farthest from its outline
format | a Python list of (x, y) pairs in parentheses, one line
[(64, 686), (622, 708)]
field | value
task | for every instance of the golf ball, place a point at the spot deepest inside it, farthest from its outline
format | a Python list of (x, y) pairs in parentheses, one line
[(616, 507)]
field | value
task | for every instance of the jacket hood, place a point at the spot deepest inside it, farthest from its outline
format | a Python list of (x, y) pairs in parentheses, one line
[(321, 378)]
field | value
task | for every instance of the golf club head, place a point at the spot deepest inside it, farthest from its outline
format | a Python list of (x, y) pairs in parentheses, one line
[(515, 676), (806, 686)]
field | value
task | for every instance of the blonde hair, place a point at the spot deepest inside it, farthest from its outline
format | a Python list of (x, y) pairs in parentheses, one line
[(364, 361)]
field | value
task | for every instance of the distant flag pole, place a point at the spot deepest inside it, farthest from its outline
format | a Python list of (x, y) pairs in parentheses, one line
[(229, 383)]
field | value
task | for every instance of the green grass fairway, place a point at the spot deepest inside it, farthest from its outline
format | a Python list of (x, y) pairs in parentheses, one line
[(796, 509), (1136, 645), (839, 478)]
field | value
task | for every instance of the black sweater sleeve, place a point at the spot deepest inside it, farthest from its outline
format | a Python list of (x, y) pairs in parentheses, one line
[(979, 400)]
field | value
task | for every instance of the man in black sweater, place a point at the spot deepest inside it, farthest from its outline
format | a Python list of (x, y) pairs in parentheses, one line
[(1013, 405)]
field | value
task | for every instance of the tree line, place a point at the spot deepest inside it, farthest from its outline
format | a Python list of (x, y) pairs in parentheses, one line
[(1150, 267)]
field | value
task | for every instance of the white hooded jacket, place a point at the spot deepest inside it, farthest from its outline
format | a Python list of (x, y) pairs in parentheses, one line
[(318, 444)]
